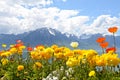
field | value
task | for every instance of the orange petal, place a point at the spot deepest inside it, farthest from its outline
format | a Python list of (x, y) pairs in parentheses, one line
[(100, 39), (104, 44), (112, 29)]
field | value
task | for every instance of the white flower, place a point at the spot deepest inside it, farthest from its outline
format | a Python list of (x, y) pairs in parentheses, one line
[(54, 72), (58, 75), (74, 44), (44, 79), (49, 76), (62, 68), (64, 78), (71, 70), (50, 79), (55, 78), (67, 73), (35, 49)]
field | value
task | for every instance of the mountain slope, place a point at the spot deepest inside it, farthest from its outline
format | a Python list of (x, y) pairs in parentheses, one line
[(48, 36), (45, 36)]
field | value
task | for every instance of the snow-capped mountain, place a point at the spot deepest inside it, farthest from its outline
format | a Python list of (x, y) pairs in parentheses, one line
[(51, 31), (45, 36), (49, 36)]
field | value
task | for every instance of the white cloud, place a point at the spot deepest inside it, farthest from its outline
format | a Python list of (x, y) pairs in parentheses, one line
[(101, 24), (64, 0), (16, 18), (60, 0), (26, 3)]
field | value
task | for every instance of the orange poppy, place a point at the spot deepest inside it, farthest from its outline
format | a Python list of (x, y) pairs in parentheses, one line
[(112, 29), (29, 48), (111, 49), (100, 39), (104, 44), (18, 45)]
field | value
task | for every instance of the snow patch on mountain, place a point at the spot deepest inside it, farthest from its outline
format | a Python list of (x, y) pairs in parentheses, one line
[(68, 35), (85, 36), (51, 31)]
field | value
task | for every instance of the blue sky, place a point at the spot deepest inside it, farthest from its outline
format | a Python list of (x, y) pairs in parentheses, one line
[(91, 7), (75, 16)]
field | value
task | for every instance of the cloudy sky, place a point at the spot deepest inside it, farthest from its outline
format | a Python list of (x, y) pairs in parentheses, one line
[(72, 16)]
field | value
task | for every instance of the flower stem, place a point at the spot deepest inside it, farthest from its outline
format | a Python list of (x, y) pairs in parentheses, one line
[(114, 41), (102, 50)]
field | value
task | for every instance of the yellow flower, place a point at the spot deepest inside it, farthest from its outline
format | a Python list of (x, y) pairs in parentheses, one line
[(22, 47), (4, 45), (36, 55), (49, 50), (92, 73), (75, 61), (72, 61), (12, 45), (112, 59), (69, 53), (54, 46), (78, 52), (59, 55), (40, 48), (38, 64), (57, 50), (13, 50), (25, 73), (20, 67), (45, 55), (100, 60), (69, 63), (17, 74), (74, 44), (6, 54), (4, 61)]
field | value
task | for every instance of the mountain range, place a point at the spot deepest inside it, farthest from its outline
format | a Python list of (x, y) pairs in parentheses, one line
[(49, 36)]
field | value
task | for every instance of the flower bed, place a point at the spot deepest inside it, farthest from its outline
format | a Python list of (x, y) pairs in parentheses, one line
[(59, 62)]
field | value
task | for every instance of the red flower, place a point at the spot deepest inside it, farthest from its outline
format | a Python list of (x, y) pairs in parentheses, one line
[(111, 49), (29, 48), (100, 39), (18, 41), (104, 44), (18, 45), (112, 29)]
